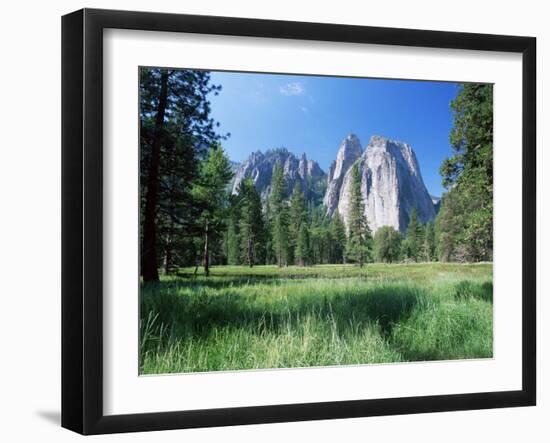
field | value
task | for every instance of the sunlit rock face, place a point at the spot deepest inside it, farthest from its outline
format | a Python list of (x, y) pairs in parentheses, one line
[(391, 182), (391, 186), (349, 151), (259, 167)]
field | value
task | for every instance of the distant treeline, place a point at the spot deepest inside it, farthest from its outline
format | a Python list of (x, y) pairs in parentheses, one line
[(291, 232), (189, 217)]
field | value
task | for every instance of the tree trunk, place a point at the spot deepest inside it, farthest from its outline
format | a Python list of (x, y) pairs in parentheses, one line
[(169, 248), (249, 252), (206, 256), (197, 262), (168, 259), (149, 269)]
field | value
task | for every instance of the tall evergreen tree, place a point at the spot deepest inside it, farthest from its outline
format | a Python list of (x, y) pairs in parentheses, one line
[(359, 238), (232, 242), (232, 239), (413, 243), (210, 196), (465, 221), (428, 248), (279, 215), (338, 235), (149, 249), (449, 230), (251, 225), (320, 241), (298, 218), (175, 130), (269, 253), (303, 250)]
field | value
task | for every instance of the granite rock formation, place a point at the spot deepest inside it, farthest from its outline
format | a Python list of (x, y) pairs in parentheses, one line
[(391, 185), (259, 167), (350, 150)]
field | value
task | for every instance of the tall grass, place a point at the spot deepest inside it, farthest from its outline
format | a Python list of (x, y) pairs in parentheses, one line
[(271, 318)]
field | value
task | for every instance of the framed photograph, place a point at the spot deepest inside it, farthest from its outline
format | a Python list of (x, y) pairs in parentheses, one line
[(269, 221)]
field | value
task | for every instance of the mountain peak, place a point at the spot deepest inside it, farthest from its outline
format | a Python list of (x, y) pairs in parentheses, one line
[(379, 141), (350, 148), (259, 167), (350, 141), (391, 185), (391, 182), (398, 150), (349, 151)]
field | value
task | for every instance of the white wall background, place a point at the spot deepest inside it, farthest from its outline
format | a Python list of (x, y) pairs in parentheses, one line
[(30, 219)]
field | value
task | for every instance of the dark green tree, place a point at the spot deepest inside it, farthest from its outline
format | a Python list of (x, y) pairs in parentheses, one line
[(320, 235), (428, 246), (338, 239), (269, 253), (251, 224), (232, 242), (279, 216), (298, 218), (412, 246), (465, 221), (387, 244), (303, 250), (210, 196), (449, 232), (175, 132), (358, 248)]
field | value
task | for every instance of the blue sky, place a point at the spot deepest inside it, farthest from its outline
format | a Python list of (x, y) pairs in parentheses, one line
[(313, 114)]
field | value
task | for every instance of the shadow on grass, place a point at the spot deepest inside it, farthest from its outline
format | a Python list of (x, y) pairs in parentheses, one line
[(467, 289), (348, 312), (261, 278)]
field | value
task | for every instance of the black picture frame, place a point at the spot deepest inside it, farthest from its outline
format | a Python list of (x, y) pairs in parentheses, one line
[(82, 218)]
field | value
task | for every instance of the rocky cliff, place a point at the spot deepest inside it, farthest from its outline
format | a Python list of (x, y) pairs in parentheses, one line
[(348, 152), (391, 184), (259, 167)]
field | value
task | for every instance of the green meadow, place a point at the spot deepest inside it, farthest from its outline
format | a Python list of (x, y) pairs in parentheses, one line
[(269, 317)]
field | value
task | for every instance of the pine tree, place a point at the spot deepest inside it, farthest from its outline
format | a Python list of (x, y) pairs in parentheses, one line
[(359, 238), (210, 195), (414, 239), (175, 132), (298, 218), (465, 220), (320, 241), (338, 234), (251, 225), (421, 238), (269, 253), (428, 250), (149, 248), (303, 251), (231, 238), (232, 242), (279, 216), (449, 230)]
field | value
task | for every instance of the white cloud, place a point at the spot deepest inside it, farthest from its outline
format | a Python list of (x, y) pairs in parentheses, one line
[(294, 88)]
